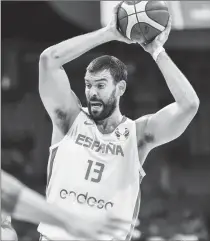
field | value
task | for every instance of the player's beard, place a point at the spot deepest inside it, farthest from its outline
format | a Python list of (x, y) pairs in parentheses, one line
[(106, 109)]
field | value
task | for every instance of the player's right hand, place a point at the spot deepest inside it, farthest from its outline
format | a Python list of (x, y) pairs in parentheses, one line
[(159, 41), (113, 29), (94, 230)]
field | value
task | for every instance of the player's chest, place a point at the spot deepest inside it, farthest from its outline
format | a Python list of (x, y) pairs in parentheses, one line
[(87, 157), (89, 141)]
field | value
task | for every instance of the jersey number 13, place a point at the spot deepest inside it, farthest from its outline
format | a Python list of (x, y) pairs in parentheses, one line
[(94, 167)]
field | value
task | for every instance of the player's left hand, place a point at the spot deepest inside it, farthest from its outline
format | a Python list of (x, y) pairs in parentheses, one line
[(113, 29), (159, 41)]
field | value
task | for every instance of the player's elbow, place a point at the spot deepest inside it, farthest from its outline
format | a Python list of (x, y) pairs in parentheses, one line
[(45, 54), (190, 107), (194, 105), (46, 59)]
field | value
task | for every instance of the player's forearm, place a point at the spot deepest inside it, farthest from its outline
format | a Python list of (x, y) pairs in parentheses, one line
[(33, 208), (70, 49), (10, 191), (178, 84), (25, 204)]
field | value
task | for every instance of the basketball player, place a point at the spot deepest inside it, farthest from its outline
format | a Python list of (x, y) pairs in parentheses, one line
[(96, 157), (24, 204)]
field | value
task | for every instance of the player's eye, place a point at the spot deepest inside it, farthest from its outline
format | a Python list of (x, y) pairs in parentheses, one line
[(101, 86), (88, 86)]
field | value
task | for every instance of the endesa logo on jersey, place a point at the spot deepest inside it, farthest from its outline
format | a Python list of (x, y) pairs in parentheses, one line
[(85, 198)]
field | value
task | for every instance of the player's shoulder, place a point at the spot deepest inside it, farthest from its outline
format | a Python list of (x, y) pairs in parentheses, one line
[(84, 116), (85, 110), (141, 121)]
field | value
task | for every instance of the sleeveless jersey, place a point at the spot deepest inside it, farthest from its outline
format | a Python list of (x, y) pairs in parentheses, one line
[(93, 174)]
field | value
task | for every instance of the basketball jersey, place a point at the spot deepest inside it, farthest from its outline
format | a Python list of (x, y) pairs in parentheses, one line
[(91, 174)]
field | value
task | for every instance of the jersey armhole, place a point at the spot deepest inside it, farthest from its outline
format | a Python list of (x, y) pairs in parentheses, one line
[(72, 126), (141, 170)]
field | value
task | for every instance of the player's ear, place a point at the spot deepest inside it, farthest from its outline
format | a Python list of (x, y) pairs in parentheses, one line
[(121, 87)]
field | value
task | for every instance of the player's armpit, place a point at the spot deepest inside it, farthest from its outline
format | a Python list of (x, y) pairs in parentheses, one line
[(168, 123), (142, 137), (55, 91)]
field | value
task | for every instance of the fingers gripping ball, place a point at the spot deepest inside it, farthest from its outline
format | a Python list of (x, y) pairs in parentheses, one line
[(142, 21)]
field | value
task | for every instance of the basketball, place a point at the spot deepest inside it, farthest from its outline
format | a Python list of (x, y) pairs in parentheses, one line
[(142, 21)]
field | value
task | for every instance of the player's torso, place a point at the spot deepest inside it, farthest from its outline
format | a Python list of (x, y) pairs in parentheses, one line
[(91, 174)]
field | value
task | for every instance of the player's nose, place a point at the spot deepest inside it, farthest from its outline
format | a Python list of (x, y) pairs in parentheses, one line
[(93, 92)]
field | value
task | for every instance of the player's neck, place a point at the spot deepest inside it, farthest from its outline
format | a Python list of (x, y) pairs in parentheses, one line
[(109, 124)]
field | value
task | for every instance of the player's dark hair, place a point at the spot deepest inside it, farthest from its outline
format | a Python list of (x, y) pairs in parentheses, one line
[(117, 68)]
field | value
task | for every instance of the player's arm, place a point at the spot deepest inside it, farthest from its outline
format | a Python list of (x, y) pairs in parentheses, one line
[(54, 87), (171, 121), (25, 204)]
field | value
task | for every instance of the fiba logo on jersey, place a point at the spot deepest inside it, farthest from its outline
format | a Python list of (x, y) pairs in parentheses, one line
[(122, 133)]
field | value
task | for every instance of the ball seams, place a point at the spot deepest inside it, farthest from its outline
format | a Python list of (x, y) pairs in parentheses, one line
[(154, 19), (139, 15), (149, 41), (144, 12), (148, 2), (138, 22)]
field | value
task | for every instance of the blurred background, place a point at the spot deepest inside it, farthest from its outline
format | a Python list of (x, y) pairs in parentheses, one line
[(176, 189)]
